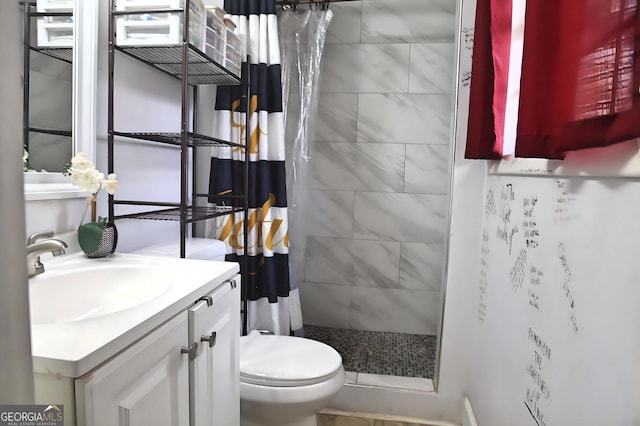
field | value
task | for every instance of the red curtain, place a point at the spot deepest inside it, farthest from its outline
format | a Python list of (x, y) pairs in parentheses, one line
[(489, 78), (579, 84), (580, 79)]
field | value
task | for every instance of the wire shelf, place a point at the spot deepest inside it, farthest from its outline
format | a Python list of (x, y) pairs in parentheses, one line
[(62, 53), (193, 139), (193, 214), (56, 132), (201, 69)]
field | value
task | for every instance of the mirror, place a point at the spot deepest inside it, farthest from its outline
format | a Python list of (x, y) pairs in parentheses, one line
[(47, 84), (80, 119)]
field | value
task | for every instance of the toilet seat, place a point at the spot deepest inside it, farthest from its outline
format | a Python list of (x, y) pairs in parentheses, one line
[(286, 361)]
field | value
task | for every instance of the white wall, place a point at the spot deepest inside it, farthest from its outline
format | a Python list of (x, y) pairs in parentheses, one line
[(482, 359), (15, 335)]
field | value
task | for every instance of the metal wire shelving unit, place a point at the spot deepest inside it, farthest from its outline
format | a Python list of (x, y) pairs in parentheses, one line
[(192, 68)]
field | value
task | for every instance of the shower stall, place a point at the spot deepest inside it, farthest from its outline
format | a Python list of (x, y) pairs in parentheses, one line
[(369, 185)]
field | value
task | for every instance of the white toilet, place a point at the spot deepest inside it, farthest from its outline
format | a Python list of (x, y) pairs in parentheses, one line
[(285, 380)]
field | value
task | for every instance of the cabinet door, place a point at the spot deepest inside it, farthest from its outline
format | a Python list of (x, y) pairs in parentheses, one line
[(147, 384), (214, 374)]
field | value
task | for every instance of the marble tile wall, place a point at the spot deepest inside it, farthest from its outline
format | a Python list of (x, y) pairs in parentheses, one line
[(378, 180)]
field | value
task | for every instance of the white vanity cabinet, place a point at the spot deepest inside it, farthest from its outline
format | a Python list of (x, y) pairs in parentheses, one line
[(170, 362), (147, 384), (214, 322), (183, 373)]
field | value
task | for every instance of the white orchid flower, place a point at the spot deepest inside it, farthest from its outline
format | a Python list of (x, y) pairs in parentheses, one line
[(80, 163), (85, 176), (111, 184)]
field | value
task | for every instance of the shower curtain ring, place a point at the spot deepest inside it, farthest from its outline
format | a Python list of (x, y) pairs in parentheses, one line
[(289, 5)]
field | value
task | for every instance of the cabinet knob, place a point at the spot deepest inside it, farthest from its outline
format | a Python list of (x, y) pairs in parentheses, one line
[(211, 338), (233, 283), (192, 350)]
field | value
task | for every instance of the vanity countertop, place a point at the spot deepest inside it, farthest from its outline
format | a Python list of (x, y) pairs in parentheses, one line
[(73, 348)]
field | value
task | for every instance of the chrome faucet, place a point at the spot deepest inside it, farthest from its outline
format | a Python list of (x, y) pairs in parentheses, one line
[(35, 248)]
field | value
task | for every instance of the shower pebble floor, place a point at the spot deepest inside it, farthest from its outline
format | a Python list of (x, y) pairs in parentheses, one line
[(392, 354)]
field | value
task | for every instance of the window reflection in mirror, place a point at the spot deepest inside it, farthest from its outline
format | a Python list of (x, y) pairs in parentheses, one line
[(48, 84)]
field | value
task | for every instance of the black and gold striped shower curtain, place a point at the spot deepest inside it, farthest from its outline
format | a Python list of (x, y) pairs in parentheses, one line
[(272, 303)]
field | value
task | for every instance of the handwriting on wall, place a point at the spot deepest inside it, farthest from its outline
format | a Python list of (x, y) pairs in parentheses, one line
[(535, 171), (535, 278), (567, 280), (535, 262), (529, 223), (467, 38), (467, 47), (518, 272), (490, 207), (564, 199), (538, 393), (507, 228), (484, 281), (465, 78)]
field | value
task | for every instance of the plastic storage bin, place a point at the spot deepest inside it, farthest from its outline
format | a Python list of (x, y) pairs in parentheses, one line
[(145, 29), (44, 6), (54, 31), (54, 34), (233, 52), (221, 43), (215, 35)]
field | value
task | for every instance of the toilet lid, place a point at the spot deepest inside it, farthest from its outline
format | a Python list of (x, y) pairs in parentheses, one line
[(286, 360)]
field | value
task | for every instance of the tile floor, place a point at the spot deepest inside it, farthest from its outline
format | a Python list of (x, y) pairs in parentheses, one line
[(392, 354)]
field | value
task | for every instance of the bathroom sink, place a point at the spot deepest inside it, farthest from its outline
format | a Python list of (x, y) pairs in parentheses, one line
[(84, 311), (85, 290)]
